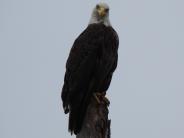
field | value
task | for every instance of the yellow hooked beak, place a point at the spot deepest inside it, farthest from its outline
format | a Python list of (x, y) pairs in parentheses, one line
[(101, 12)]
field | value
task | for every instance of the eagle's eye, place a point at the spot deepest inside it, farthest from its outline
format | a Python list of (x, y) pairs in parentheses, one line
[(97, 6), (106, 10)]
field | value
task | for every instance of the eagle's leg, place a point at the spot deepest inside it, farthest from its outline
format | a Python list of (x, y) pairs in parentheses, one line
[(100, 98)]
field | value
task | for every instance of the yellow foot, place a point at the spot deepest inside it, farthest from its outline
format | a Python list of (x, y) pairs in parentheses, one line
[(100, 98), (106, 100)]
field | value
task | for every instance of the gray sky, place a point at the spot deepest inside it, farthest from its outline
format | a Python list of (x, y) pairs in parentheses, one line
[(147, 90)]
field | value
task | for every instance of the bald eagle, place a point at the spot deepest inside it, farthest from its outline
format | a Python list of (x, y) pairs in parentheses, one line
[(90, 66)]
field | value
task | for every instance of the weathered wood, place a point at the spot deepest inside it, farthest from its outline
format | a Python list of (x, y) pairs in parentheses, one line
[(96, 123)]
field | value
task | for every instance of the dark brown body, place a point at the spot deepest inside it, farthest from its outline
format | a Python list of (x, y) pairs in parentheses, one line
[(90, 66)]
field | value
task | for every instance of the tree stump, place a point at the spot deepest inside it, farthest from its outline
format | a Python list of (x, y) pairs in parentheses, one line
[(96, 123)]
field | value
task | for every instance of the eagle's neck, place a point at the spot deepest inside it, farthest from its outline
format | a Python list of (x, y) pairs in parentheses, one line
[(95, 20)]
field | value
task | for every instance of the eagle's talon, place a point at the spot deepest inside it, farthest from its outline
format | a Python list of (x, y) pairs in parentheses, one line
[(66, 110), (96, 97), (106, 100), (100, 98)]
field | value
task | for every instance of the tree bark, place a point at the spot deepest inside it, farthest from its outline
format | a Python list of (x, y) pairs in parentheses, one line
[(96, 123)]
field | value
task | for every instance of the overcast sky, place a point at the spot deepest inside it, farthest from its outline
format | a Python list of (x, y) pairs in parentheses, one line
[(147, 91)]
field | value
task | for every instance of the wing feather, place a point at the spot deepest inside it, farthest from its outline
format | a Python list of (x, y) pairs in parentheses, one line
[(80, 68)]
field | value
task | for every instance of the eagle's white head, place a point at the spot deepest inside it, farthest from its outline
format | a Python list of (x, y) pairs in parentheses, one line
[(100, 14)]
